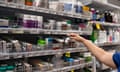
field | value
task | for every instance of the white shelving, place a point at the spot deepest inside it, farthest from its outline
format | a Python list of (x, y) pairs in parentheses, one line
[(106, 23), (40, 53), (69, 68), (43, 10), (109, 44), (41, 31), (98, 4)]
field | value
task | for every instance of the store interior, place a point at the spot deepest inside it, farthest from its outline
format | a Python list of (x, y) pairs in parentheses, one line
[(34, 34)]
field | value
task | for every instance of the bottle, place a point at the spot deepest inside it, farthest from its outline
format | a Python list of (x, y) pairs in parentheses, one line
[(52, 24), (110, 35), (41, 43), (59, 26), (78, 7), (98, 15), (37, 3), (94, 16), (64, 25), (29, 2), (57, 61), (102, 36), (34, 22), (86, 11), (53, 4), (44, 4), (26, 21), (60, 6), (69, 24), (116, 36), (49, 43), (40, 22)]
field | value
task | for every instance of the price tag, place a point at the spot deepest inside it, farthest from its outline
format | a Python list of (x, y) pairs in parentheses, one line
[(67, 54), (34, 32), (17, 31)]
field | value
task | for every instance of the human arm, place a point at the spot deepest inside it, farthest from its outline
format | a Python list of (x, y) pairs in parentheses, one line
[(102, 55)]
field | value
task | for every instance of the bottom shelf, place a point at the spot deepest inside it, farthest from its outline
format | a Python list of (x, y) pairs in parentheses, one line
[(69, 68), (38, 69)]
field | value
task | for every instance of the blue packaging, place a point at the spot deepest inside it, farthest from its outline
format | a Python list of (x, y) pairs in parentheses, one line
[(78, 9), (67, 7)]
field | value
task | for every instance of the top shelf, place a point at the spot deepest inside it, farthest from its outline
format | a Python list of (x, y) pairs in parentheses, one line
[(98, 4), (43, 10)]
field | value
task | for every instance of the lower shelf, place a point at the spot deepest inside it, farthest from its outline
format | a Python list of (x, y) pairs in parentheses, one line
[(69, 68), (64, 69)]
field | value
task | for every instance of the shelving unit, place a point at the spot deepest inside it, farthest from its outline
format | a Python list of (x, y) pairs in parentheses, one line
[(40, 53), (16, 55), (103, 5), (106, 23), (40, 31), (65, 69), (42, 10)]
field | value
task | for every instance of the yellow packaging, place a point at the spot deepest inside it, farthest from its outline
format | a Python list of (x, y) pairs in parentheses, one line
[(86, 8)]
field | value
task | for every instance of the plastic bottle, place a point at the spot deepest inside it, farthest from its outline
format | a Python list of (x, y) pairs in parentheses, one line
[(34, 23), (37, 3), (40, 21), (57, 61), (94, 16), (49, 42), (59, 24), (53, 4), (26, 21), (69, 24), (78, 7), (52, 24), (29, 2)]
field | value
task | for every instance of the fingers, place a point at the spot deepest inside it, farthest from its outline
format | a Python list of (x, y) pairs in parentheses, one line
[(72, 34)]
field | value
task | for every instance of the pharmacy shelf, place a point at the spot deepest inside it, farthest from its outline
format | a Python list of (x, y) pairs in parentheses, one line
[(15, 55), (106, 23), (69, 68), (41, 31), (62, 69), (43, 10), (108, 44), (100, 5)]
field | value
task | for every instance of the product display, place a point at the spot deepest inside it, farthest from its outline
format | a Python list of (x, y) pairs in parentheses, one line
[(33, 34)]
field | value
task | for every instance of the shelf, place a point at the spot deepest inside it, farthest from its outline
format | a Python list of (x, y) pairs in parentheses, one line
[(99, 5), (106, 23), (109, 44), (69, 68), (40, 53), (42, 10), (41, 31)]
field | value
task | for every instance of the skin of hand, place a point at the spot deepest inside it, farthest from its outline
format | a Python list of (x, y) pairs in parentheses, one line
[(76, 37)]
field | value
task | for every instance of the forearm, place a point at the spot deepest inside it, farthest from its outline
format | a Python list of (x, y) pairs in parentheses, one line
[(95, 50), (102, 55)]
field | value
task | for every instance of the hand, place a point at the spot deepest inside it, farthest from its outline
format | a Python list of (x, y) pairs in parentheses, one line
[(76, 37)]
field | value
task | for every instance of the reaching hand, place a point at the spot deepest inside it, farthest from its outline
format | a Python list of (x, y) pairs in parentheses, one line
[(76, 37)]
